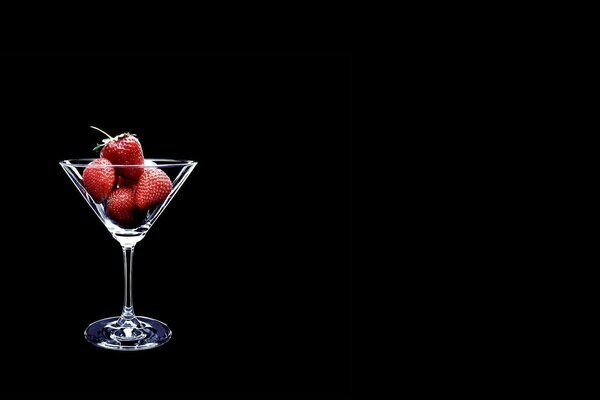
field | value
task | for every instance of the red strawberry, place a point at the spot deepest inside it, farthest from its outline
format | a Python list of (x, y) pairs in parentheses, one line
[(121, 205), (99, 178), (153, 187), (124, 149)]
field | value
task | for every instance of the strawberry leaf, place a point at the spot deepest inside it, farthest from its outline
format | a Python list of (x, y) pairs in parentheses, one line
[(99, 146)]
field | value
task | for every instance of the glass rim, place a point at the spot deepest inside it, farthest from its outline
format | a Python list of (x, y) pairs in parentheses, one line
[(161, 162)]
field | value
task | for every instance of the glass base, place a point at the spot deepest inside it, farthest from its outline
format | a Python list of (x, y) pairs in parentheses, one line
[(112, 333)]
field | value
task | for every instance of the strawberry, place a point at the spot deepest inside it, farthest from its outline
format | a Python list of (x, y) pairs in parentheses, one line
[(99, 179), (153, 187), (121, 205), (124, 149)]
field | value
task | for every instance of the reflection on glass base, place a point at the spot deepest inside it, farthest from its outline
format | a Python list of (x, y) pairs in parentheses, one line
[(110, 333)]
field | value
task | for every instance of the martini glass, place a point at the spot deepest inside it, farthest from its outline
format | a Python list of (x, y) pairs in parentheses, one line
[(129, 332)]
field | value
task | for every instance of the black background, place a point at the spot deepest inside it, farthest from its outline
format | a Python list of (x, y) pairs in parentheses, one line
[(249, 265)]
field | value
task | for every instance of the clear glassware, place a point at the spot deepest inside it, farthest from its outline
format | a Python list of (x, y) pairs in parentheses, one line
[(129, 332)]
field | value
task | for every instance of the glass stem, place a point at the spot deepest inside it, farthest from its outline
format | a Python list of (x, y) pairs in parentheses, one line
[(128, 314)]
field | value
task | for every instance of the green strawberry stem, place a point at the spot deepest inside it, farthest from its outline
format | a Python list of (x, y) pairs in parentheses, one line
[(105, 141), (98, 129)]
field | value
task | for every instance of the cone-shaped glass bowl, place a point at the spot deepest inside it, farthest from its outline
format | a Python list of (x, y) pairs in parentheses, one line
[(128, 331)]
